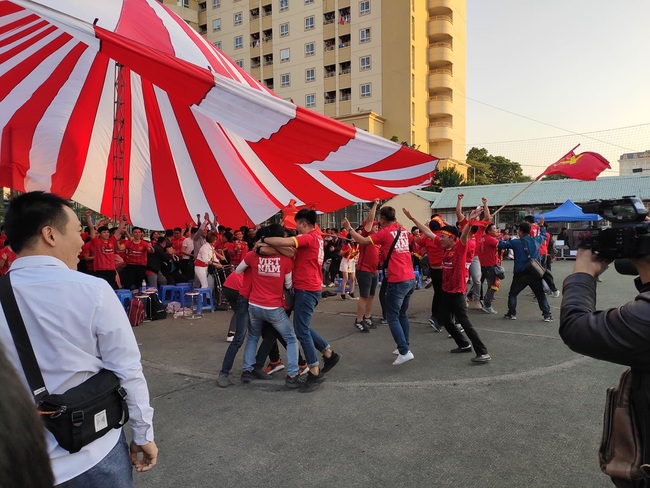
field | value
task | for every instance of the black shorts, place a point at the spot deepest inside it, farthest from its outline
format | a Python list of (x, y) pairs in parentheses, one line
[(367, 283)]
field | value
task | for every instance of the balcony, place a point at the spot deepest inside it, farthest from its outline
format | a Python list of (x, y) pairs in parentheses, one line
[(440, 25), (441, 51), (439, 131), (438, 4), (440, 104), (440, 78)]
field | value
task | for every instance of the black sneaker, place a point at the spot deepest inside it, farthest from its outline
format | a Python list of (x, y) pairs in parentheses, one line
[(462, 349), (548, 318), (343, 297), (361, 326), (368, 322), (293, 383), (260, 374), (247, 376), (510, 316), (312, 382), (330, 362)]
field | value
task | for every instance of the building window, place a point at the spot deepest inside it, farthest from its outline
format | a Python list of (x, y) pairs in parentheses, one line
[(216, 25), (307, 2), (364, 63), (237, 18), (310, 100), (284, 5), (239, 42), (284, 29), (310, 74), (637, 170), (366, 90), (216, 3), (240, 63), (364, 35), (217, 44), (309, 49), (183, 3), (285, 80), (364, 7), (309, 22), (284, 55)]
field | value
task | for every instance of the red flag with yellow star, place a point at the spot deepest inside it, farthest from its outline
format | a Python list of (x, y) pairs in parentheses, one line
[(584, 166)]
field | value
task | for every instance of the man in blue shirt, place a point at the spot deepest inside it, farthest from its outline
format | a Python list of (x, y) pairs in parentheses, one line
[(526, 248)]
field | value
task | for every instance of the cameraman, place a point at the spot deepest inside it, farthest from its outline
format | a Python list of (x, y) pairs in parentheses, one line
[(619, 335)]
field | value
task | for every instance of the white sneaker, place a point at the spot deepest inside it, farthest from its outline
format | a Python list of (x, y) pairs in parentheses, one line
[(556, 294), (396, 352), (403, 358)]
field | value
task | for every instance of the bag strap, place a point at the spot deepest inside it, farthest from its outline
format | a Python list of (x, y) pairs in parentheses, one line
[(392, 246), (523, 244), (21, 339)]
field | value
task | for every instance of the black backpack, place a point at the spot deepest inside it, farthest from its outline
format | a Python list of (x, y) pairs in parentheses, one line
[(158, 310)]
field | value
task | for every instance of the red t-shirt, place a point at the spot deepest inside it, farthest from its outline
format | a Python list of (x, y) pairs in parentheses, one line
[(400, 265), (268, 274), (11, 257), (309, 261), (487, 252), (177, 244), (87, 250), (104, 252), (236, 251), (234, 281), (453, 268), (136, 254), (246, 283), (368, 256), (434, 251), (543, 249), (471, 249)]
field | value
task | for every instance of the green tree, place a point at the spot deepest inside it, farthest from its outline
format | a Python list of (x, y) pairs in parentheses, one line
[(445, 178), (491, 169), (555, 177)]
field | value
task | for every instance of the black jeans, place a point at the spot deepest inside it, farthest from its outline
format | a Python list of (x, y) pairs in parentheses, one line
[(455, 305), (520, 281), (436, 284)]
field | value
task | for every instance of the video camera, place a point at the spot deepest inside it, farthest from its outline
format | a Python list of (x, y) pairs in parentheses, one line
[(629, 235)]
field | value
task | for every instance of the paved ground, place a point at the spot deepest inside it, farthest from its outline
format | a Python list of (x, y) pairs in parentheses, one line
[(531, 417)]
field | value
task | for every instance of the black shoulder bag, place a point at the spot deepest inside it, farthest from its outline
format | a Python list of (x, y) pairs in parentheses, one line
[(390, 251), (533, 266), (83, 413)]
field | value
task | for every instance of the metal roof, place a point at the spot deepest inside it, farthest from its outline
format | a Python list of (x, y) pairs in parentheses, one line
[(427, 195), (553, 192)]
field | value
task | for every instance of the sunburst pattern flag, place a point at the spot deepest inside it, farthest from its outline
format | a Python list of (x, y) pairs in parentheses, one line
[(199, 133)]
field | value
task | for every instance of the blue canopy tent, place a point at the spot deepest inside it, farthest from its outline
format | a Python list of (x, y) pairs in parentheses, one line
[(568, 212)]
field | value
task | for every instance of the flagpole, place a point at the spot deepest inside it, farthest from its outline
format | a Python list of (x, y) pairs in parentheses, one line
[(516, 195)]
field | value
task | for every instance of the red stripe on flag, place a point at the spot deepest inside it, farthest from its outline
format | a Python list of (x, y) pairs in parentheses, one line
[(134, 15), (78, 131), (7, 8), (405, 157), (216, 189), (167, 189), (26, 119)]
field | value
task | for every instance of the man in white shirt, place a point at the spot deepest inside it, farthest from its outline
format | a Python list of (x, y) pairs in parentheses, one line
[(77, 327)]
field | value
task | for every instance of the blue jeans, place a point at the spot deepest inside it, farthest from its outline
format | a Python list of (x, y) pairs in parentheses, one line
[(114, 470), (243, 321), (398, 297), (277, 317), (304, 304)]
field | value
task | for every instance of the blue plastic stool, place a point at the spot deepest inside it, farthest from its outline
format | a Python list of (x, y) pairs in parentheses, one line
[(125, 297), (168, 293), (339, 284), (206, 301)]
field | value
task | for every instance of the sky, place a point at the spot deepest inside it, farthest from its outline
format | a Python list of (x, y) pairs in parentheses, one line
[(546, 75)]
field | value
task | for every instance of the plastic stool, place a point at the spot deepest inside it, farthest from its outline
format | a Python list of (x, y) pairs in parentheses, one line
[(339, 284), (167, 293), (206, 299), (125, 297), (195, 300)]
